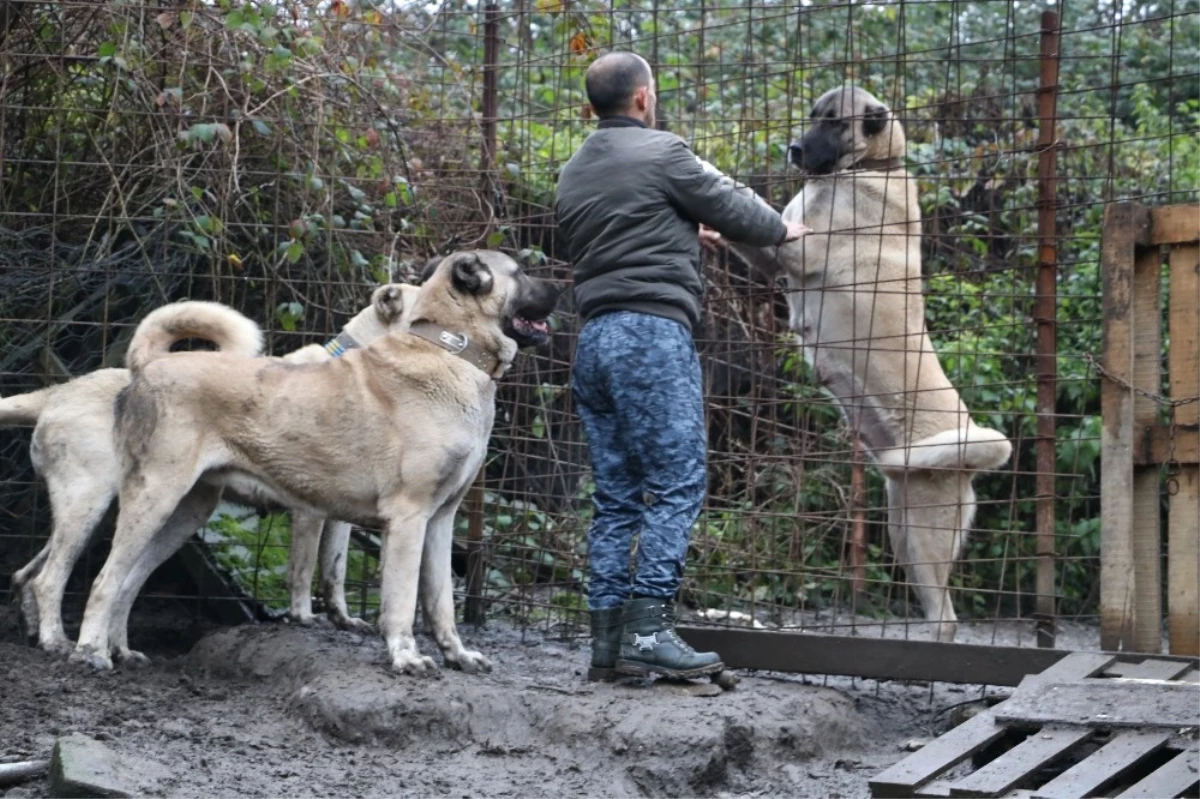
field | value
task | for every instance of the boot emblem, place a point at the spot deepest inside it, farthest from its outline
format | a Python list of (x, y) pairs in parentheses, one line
[(645, 643)]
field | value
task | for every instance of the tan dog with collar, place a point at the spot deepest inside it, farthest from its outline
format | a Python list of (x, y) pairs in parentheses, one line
[(74, 452), (857, 309), (390, 435)]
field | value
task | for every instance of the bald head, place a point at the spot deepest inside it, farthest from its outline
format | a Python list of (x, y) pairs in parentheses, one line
[(618, 83)]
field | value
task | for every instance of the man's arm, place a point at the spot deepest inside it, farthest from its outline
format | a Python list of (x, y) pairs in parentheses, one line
[(710, 200)]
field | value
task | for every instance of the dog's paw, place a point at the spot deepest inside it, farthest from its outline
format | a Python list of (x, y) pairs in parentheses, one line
[(89, 656), (470, 661), (351, 624), (414, 663), (303, 619), (131, 658)]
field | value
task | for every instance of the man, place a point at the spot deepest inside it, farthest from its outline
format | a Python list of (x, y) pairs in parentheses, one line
[(634, 205)]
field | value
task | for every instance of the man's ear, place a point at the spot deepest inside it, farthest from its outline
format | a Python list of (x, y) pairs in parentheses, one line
[(471, 275), (875, 119), (388, 302)]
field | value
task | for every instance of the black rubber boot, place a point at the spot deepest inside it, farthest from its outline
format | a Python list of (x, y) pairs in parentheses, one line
[(649, 644), (606, 641)]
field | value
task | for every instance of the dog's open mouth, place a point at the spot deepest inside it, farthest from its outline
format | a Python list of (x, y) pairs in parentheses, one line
[(529, 332)]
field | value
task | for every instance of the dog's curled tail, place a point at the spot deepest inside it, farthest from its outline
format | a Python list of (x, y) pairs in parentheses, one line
[(24, 408), (971, 448), (210, 321)]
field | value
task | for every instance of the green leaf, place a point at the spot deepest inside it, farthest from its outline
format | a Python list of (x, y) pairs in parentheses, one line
[(107, 50), (261, 128), (235, 19), (294, 251), (202, 131), (495, 238), (288, 314)]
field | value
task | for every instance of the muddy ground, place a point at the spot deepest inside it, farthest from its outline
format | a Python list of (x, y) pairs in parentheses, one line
[(273, 709)]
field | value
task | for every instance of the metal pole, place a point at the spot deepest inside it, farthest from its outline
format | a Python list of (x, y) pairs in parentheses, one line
[(473, 610), (1046, 312)]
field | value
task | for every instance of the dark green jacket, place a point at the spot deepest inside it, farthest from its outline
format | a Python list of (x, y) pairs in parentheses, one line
[(628, 204)]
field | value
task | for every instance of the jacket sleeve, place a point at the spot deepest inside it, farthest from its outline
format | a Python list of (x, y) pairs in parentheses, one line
[(711, 201)]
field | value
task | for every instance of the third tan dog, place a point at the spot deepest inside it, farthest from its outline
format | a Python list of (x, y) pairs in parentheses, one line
[(856, 306), (74, 452), (390, 435)]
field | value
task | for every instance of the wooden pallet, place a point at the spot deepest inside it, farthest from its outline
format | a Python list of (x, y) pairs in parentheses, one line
[(1090, 725)]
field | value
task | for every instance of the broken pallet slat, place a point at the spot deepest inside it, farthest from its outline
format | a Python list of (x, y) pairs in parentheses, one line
[(1103, 703), (1103, 766), (1019, 763), (1150, 669), (1174, 778), (937, 756), (949, 750)]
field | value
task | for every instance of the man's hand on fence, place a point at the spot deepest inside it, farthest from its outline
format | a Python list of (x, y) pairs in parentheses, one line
[(711, 240), (795, 230)]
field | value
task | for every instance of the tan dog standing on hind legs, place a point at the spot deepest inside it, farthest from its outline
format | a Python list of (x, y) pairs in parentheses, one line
[(391, 435), (74, 452), (854, 294)]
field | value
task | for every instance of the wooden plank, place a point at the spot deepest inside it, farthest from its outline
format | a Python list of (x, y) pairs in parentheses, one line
[(938, 756), (1183, 515), (1104, 703), (1150, 669), (942, 754), (1174, 224), (1018, 764), (1147, 376), (1122, 225), (877, 658), (938, 789), (1177, 777), (1103, 766), (1191, 676), (1160, 443)]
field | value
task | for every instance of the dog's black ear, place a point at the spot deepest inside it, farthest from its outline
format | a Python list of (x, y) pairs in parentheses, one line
[(388, 302), (875, 120), (430, 267), (471, 275)]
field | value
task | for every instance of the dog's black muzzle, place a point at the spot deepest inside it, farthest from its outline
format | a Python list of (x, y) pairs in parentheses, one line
[(528, 325)]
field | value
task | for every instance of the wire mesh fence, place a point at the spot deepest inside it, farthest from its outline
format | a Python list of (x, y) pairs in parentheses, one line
[(287, 157)]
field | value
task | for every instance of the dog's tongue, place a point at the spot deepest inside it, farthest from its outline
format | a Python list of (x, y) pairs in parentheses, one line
[(539, 326)]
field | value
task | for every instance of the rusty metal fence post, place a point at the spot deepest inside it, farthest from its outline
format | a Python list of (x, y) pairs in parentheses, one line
[(1046, 314), (473, 610)]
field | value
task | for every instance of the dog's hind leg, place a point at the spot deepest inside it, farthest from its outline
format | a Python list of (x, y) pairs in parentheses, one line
[(403, 541), (335, 542), (147, 502), (437, 593), (193, 510), (928, 515), (77, 508), (302, 561)]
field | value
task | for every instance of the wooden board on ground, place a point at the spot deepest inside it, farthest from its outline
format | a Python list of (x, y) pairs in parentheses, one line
[(1048, 741), (1105, 703)]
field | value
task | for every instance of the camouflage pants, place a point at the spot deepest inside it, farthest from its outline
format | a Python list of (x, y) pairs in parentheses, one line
[(636, 385)]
